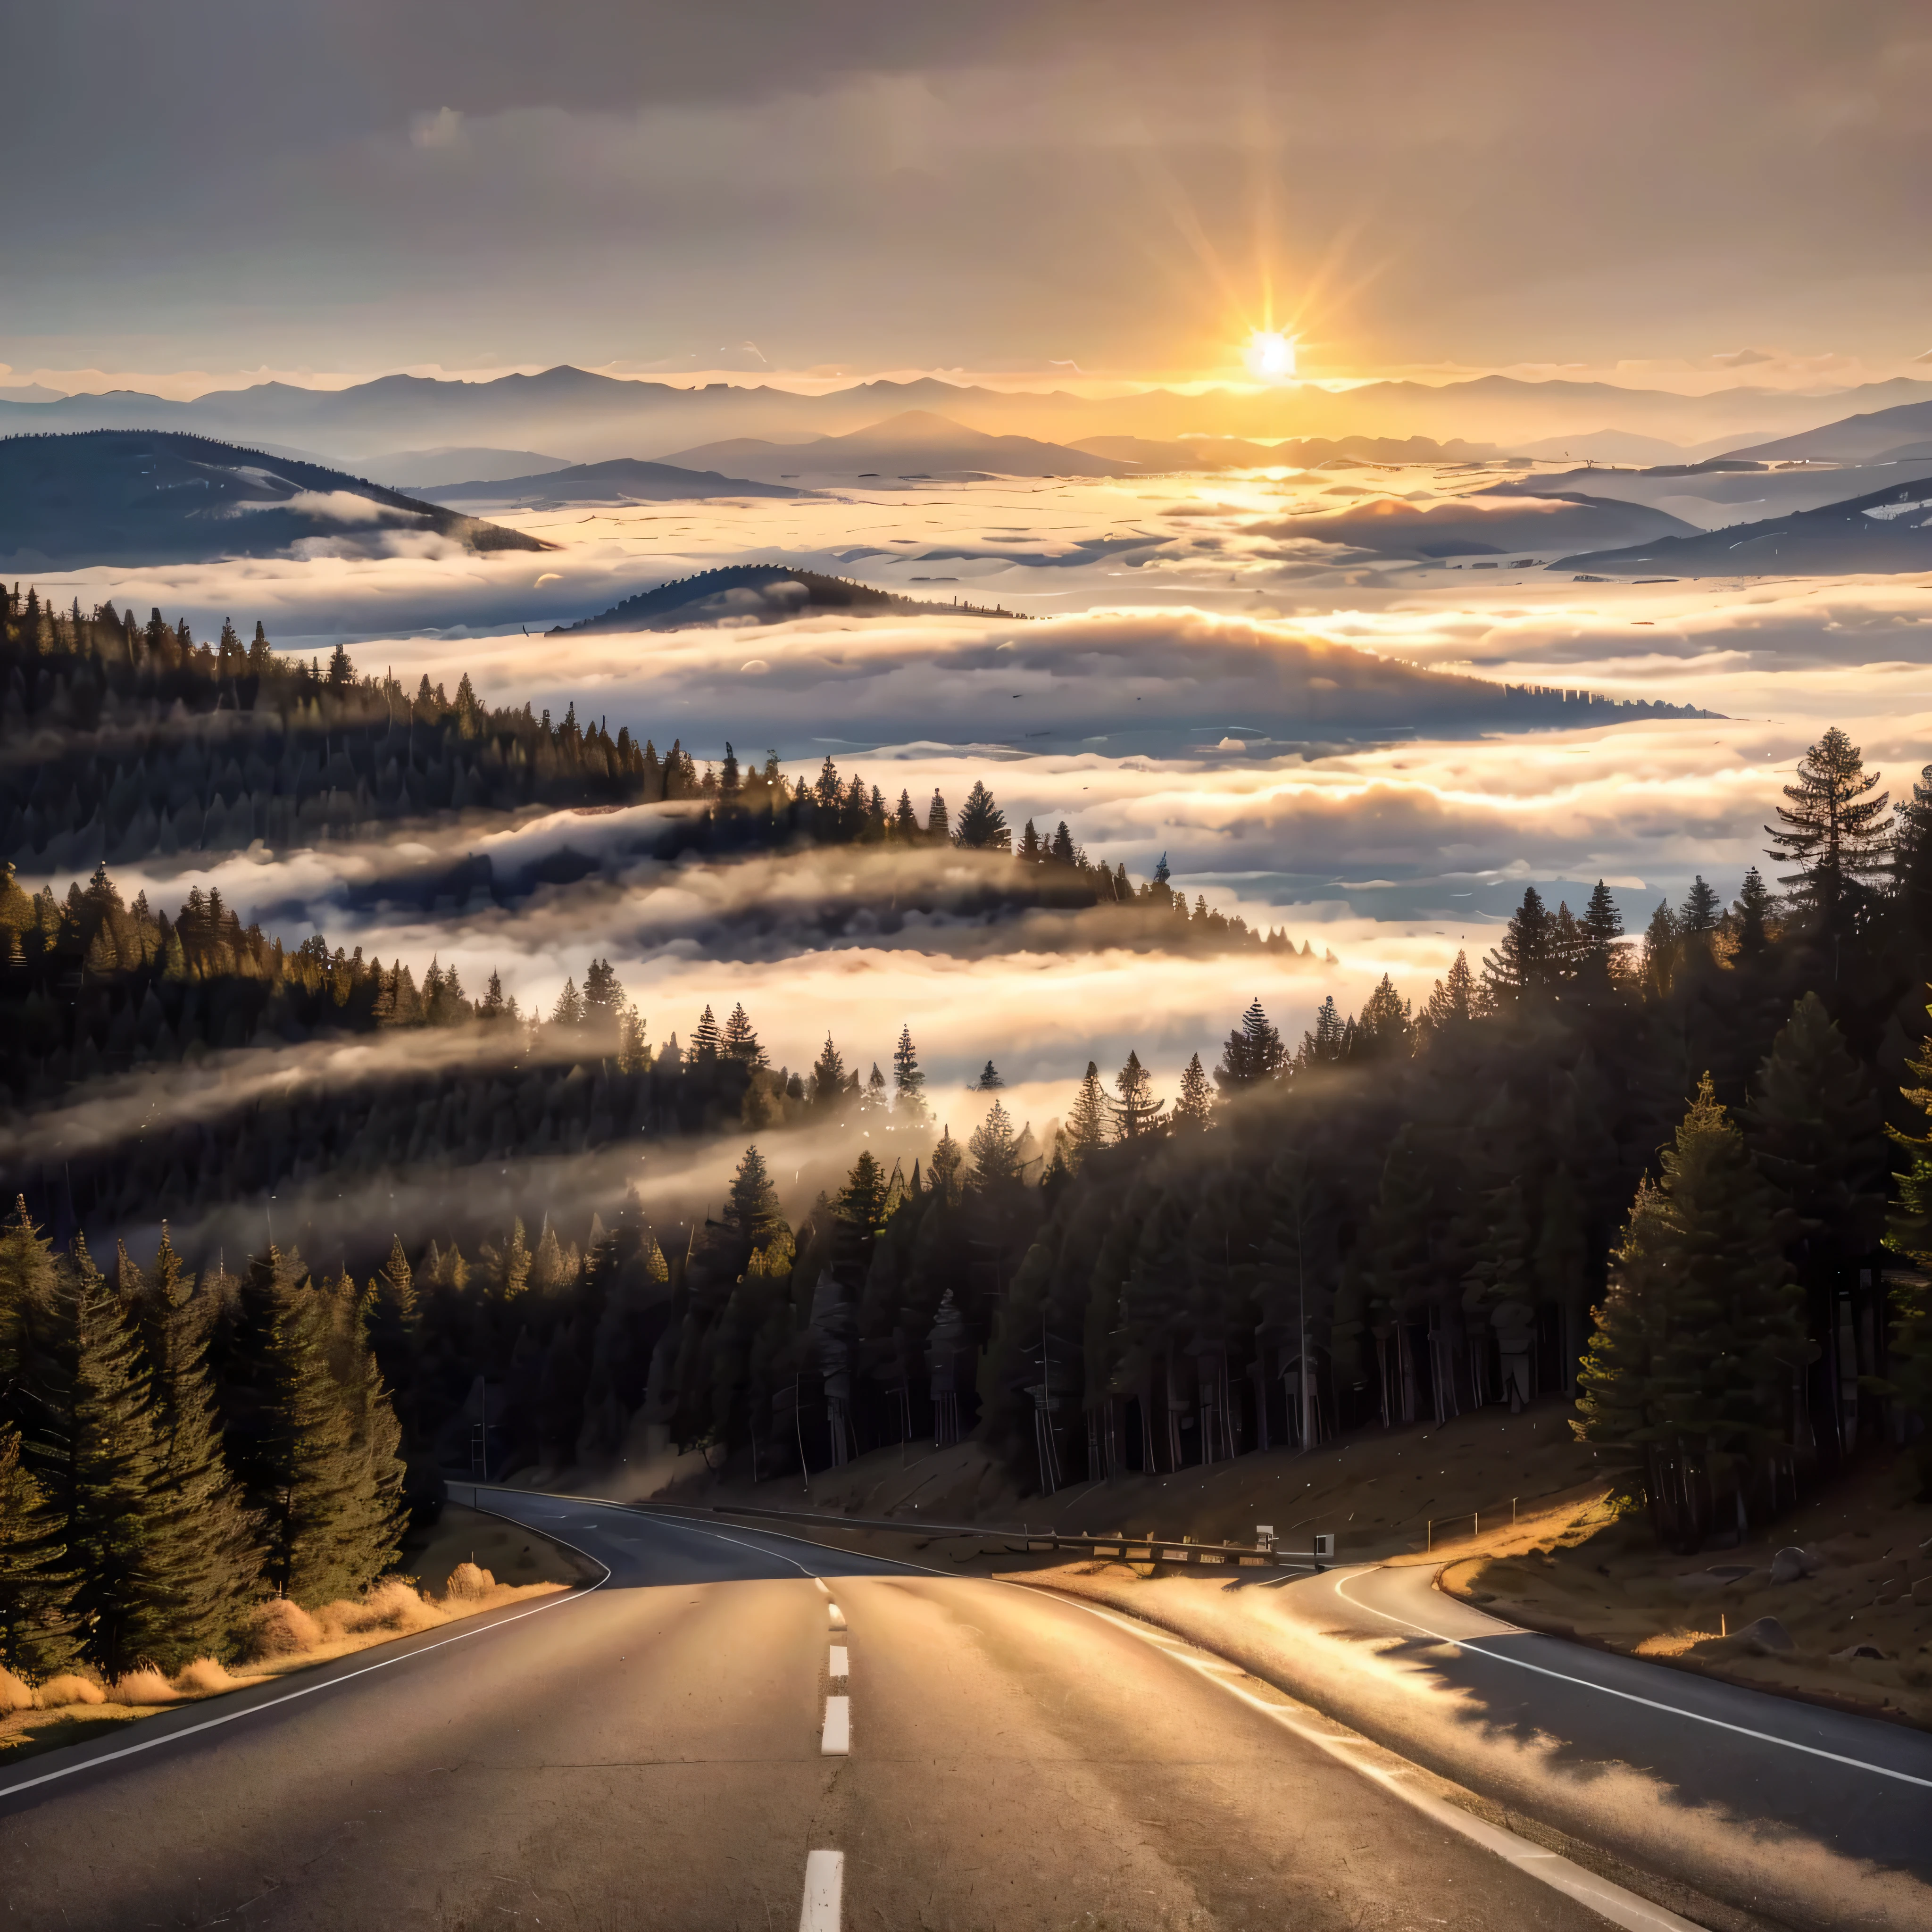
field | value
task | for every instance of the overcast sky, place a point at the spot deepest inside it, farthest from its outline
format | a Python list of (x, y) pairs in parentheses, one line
[(375, 184)]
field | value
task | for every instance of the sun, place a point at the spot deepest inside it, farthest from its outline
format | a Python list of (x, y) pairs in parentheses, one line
[(1270, 355)]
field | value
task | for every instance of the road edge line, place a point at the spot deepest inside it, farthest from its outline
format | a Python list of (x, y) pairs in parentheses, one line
[(570, 1596)]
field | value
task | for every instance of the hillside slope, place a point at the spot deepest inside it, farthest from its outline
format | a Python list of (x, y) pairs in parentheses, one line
[(1884, 531), (623, 480), (147, 497)]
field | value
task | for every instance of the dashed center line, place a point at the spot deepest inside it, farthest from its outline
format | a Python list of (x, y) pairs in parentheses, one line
[(824, 1891), (838, 1665), (838, 1616), (836, 1741)]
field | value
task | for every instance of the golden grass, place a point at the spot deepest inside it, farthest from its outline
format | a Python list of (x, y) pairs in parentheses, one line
[(142, 1687), (278, 1636)]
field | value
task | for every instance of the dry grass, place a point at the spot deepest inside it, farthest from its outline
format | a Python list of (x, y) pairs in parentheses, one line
[(1603, 1578), (142, 1687), (279, 1637), (69, 1687), (205, 1677)]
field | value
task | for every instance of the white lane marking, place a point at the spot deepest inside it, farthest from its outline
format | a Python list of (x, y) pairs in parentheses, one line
[(837, 1617), (309, 1689), (824, 1891), (1610, 1901), (1628, 1696), (825, 1588), (837, 1741), (839, 1666)]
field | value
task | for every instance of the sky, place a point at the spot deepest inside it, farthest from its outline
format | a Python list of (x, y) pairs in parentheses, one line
[(1680, 196)]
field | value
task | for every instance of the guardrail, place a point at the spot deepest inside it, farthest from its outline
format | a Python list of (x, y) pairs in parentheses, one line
[(1128, 1548)]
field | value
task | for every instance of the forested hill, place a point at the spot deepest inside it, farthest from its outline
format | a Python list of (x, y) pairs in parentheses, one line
[(769, 593), (147, 497)]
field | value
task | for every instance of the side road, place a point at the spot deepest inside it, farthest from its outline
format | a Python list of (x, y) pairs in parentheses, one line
[(1809, 1817)]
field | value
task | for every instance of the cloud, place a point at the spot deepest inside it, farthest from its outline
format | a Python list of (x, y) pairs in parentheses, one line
[(333, 506)]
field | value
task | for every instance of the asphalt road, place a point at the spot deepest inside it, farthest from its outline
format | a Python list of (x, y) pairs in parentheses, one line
[(1853, 1785), (663, 1750)]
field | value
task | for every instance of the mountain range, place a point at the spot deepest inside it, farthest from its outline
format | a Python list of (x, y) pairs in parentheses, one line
[(586, 417), (915, 445)]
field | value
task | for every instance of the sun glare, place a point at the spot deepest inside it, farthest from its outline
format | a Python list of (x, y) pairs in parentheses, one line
[(1271, 356)]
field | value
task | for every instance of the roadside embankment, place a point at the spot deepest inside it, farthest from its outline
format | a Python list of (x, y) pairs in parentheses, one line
[(278, 1637)]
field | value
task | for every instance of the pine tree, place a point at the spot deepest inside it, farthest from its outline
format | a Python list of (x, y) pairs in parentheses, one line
[(1818, 1132), (1621, 1401), (313, 1455), (908, 1081), (1911, 858), (1324, 1046), (1836, 836), (603, 998), (739, 1041), (1697, 917), (1452, 1003), (1663, 949), (730, 782), (750, 1208), (106, 1481), (860, 1204), (206, 1554), (1523, 959), (1253, 1054), (705, 1040), (994, 1147), (988, 1080), (1602, 927), (828, 1078), (1383, 1029), (568, 1011), (1031, 849), (874, 1102), (508, 1268), (945, 1164), (1062, 850), (938, 822), (1136, 1113), (1753, 912), (983, 825), (1194, 1105), (37, 1633), (1708, 1334), (1086, 1131), (395, 1318)]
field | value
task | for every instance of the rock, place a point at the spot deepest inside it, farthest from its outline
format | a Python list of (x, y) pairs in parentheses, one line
[(1790, 1564), (1767, 1634), (1857, 1650)]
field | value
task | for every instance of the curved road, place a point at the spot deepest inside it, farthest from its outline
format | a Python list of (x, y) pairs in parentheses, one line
[(1807, 1817), (672, 1749)]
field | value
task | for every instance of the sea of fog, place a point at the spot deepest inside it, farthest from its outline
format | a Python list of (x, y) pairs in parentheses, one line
[(1163, 696)]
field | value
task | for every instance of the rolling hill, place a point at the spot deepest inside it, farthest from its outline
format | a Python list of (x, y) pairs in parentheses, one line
[(1480, 526), (625, 480), (1880, 436), (766, 593), (133, 496), (1884, 531)]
